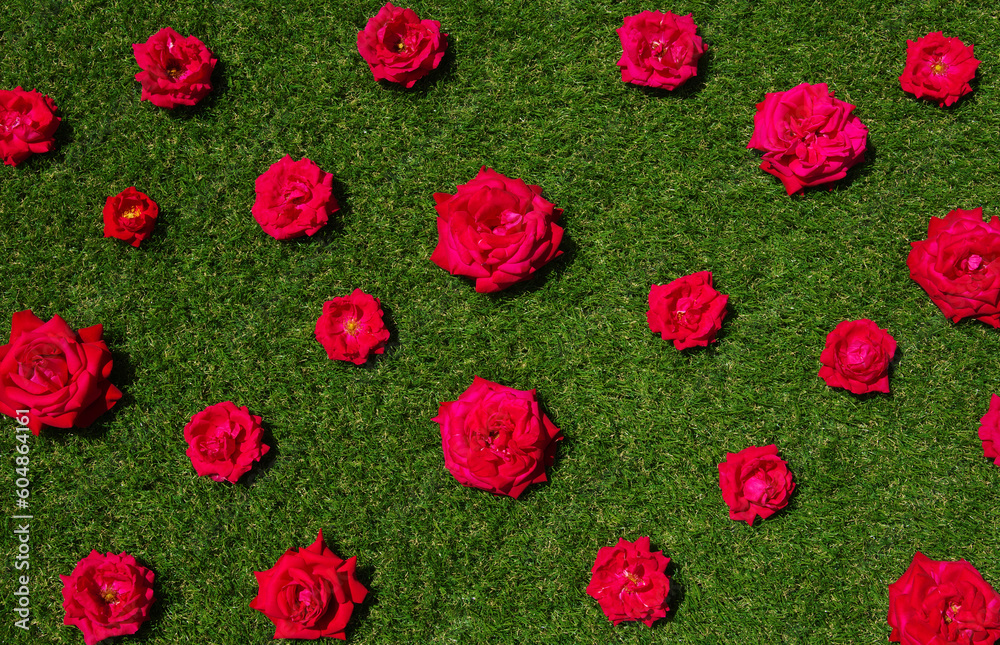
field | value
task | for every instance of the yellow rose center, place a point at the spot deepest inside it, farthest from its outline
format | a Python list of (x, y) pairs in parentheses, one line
[(173, 71), (400, 46), (634, 579), (939, 67), (352, 325), (132, 213), (109, 595)]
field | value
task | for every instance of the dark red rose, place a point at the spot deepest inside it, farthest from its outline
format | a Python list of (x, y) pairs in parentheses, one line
[(294, 198), (400, 47), (687, 311), (989, 430), (224, 441), (659, 49), (755, 481), (351, 327), (856, 357), (28, 124), (175, 70), (938, 68), (130, 215), (630, 582), (107, 595)]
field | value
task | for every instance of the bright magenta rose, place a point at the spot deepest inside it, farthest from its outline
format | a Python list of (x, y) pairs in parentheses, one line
[(989, 430), (28, 124), (659, 49), (351, 327), (59, 374), (807, 136), (130, 215), (497, 230), (400, 47), (309, 593), (496, 438), (755, 481), (857, 356), (630, 582), (294, 198), (107, 595), (938, 68), (943, 602), (687, 311), (224, 441), (958, 265), (175, 70)]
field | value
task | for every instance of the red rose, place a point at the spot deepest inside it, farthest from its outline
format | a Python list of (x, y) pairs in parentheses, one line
[(107, 595), (59, 374), (938, 68), (856, 357), (497, 230), (175, 70), (958, 265), (224, 441), (989, 430), (27, 124), (755, 481), (938, 602), (351, 327), (130, 215), (807, 136), (294, 198), (309, 593), (630, 582), (496, 438), (659, 49), (400, 47), (687, 311)]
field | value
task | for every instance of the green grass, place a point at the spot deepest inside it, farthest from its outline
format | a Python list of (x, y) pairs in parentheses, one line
[(654, 185)]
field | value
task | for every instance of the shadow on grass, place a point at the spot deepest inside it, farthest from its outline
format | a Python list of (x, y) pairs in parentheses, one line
[(261, 468), (158, 608), (360, 613)]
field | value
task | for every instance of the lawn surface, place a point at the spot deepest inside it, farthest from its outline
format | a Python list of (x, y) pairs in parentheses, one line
[(655, 185)]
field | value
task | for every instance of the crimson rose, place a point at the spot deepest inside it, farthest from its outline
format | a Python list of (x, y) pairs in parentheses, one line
[(630, 582), (856, 357), (130, 215), (351, 328), (224, 441), (687, 311), (807, 136), (497, 230), (938, 68), (496, 438), (107, 595), (59, 374), (175, 70), (294, 198), (27, 124), (309, 593), (755, 481), (989, 430), (940, 602), (400, 47), (659, 49), (958, 267)]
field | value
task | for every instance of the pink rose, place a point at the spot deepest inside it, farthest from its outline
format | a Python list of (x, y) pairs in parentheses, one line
[(938, 68), (294, 198), (989, 430), (27, 124), (958, 265), (351, 327), (175, 70), (807, 136), (943, 602), (130, 215), (107, 595), (857, 356), (496, 438), (659, 49), (630, 582), (59, 374), (400, 47), (755, 481), (687, 311), (224, 441), (497, 230)]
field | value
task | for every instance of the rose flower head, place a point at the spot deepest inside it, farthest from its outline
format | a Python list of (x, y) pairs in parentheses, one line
[(130, 215), (687, 311), (808, 137), (107, 595), (630, 582), (857, 356), (400, 47), (60, 375), (755, 481), (294, 198), (497, 230), (938, 68), (659, 49), (175, 70), (224, 441), (28, 124), (989, 430), (943, 602), (958, 265), (351, 327), (309, 593), (497, 438)]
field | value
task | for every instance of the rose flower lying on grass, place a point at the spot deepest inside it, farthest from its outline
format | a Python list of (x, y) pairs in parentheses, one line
[(294, 198), (175, 70), (659, 49), (857, 357), (755, 481), (687, 311), (224, 441), (107, 595), (130, 215), (938, 68), (630, 582), (400, 47), (351, 327), (27, 124)]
